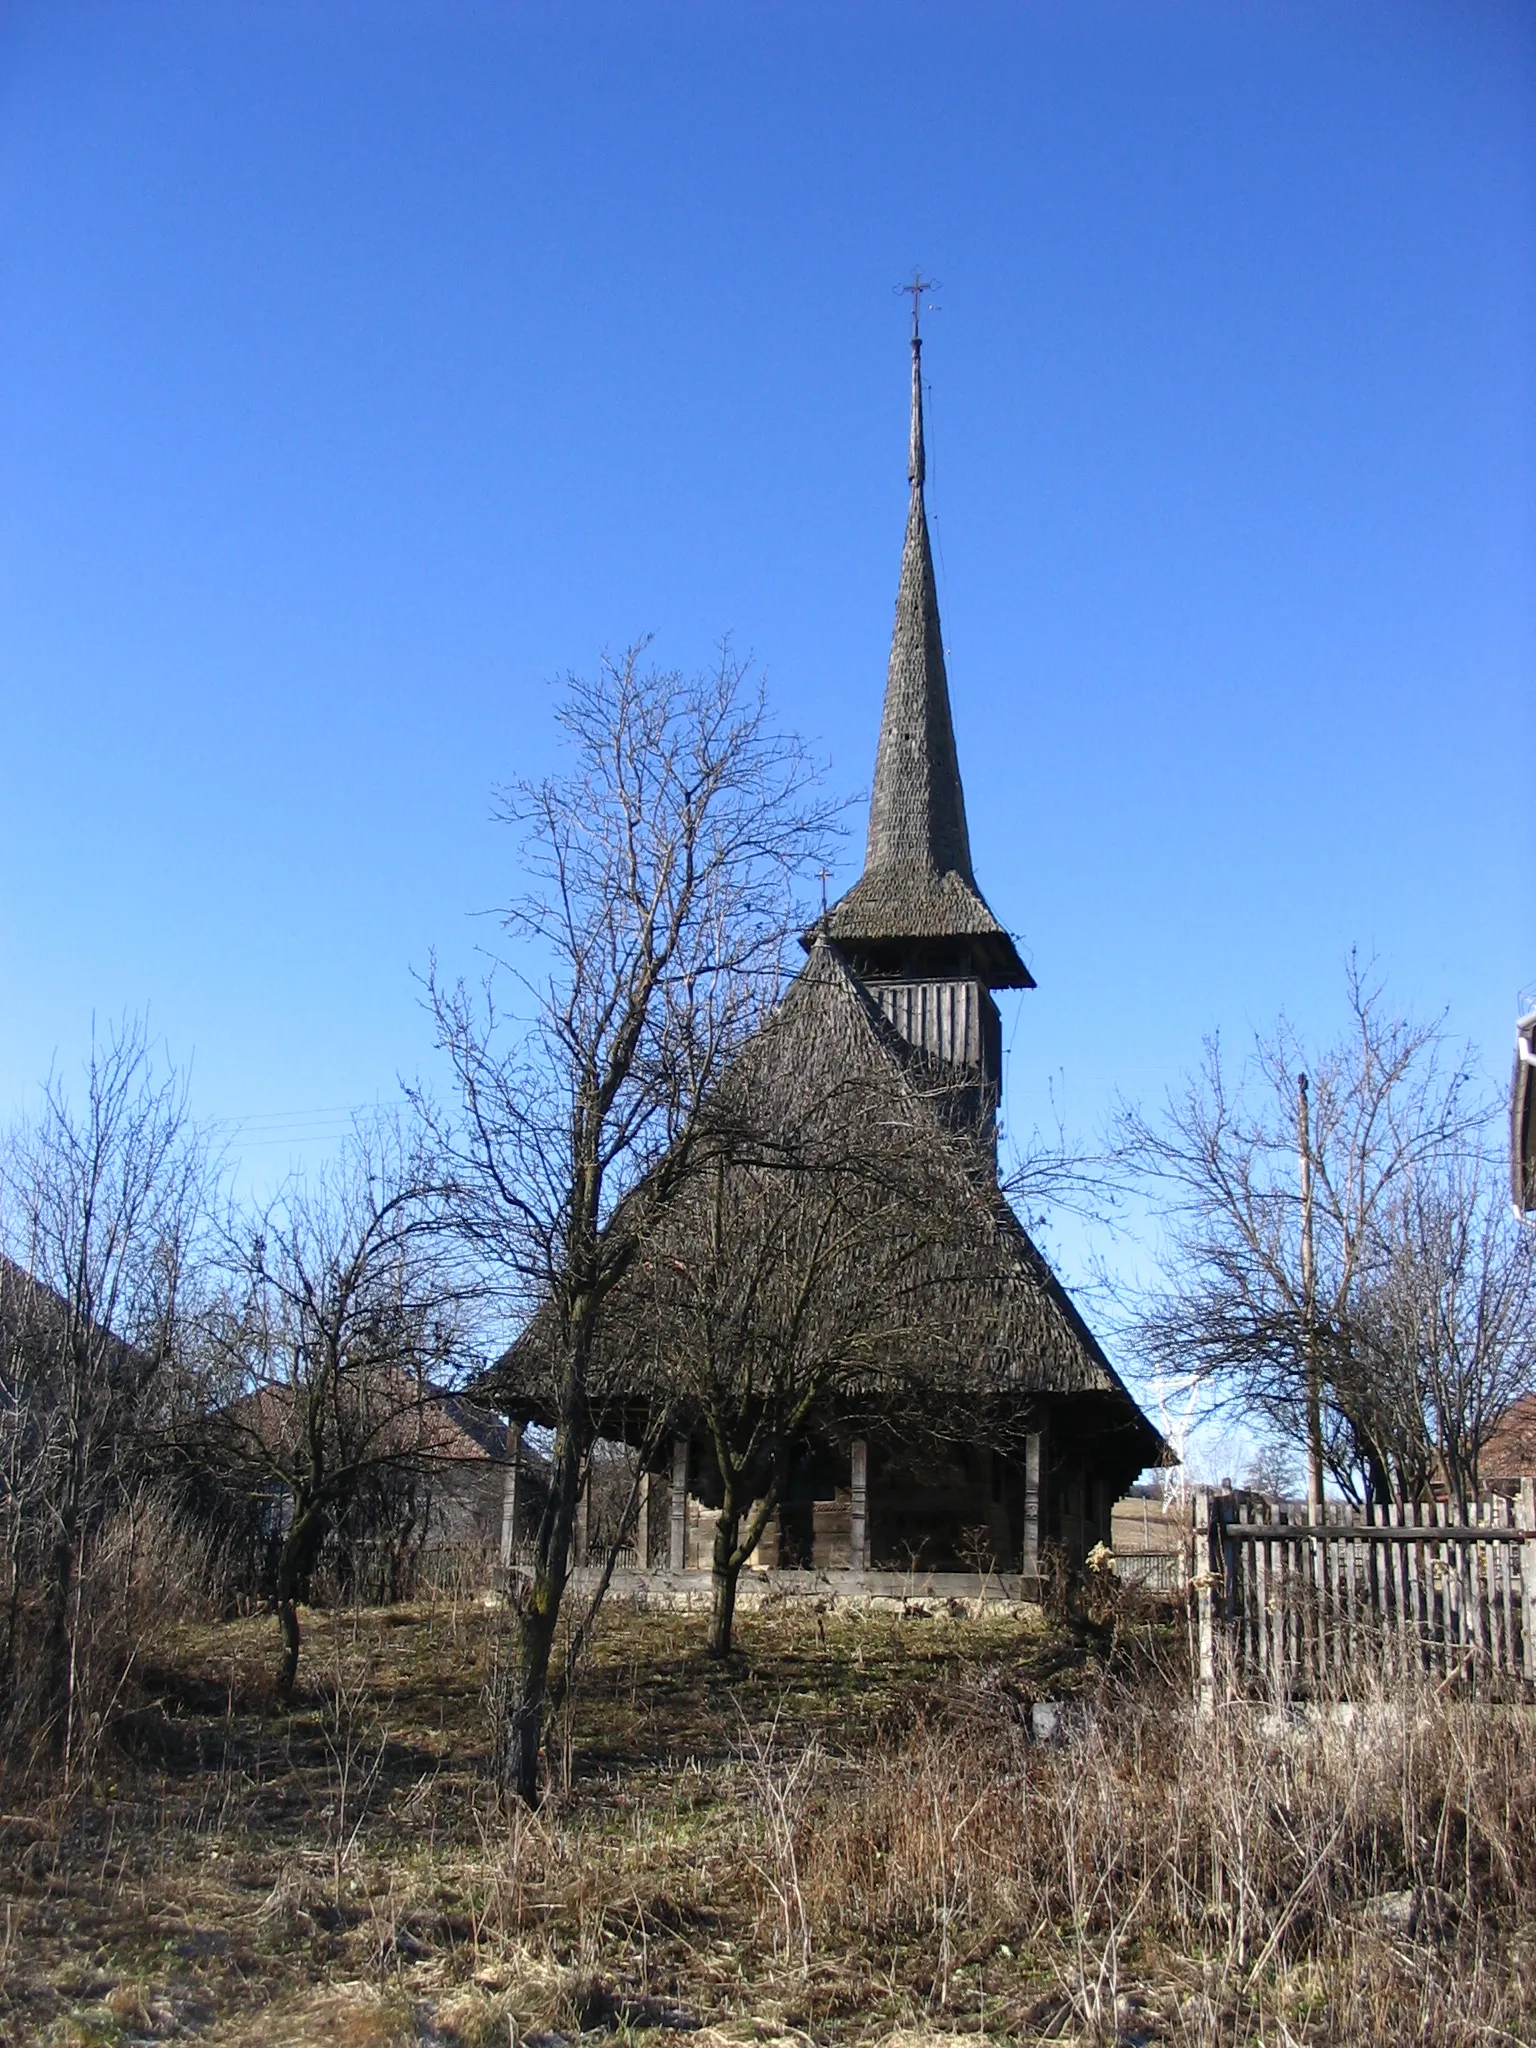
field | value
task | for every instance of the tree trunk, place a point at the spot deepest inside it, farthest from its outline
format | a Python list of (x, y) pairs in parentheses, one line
[(724, 1574), (296, 1560), (60, 1597), (538, 1617), (288, 1621), (56, 1645)]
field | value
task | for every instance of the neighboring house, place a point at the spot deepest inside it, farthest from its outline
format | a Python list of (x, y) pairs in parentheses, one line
[(434, 1472), (57, 1364), (898, 988), (1509, 1455), (35, 1316)]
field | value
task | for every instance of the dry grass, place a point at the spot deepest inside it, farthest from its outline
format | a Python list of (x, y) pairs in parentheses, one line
[(852, 1835), (145, 1572)]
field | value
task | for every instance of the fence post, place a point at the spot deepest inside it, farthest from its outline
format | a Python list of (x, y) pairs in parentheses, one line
[(1525, 1514), (1203, 1581)]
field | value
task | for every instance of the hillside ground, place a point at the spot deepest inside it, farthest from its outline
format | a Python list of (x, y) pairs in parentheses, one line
[(851, 1832)]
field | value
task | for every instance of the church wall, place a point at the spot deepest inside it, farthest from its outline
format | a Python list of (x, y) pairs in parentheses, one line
[(941, 1513), (952, 1513)]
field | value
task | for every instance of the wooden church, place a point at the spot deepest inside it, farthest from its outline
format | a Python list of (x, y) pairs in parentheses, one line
[(899, 981)]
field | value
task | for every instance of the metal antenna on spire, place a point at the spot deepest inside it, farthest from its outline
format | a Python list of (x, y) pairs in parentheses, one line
[(915, 290)]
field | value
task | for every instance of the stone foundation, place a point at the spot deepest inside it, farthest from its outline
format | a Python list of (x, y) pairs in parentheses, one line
[(872, 1592)]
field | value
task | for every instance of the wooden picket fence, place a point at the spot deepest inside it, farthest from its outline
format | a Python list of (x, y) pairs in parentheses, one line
[(1294, 1608)]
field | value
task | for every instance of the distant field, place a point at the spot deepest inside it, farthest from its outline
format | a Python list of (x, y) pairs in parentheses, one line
[(852, 1833)]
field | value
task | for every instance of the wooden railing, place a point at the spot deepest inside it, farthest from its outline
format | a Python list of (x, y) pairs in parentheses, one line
[(1296, 1607), (1153, 1571)]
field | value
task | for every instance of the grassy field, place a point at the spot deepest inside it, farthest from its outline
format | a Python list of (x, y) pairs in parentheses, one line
[(849, 1834)]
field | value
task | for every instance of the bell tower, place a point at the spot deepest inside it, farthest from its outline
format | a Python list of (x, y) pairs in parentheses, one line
[(914, 927)]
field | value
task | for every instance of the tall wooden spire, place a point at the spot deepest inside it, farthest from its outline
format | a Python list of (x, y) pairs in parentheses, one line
[(917, 899), (917, 809)]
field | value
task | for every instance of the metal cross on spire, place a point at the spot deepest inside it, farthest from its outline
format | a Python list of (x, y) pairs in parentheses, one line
[(915, 290)]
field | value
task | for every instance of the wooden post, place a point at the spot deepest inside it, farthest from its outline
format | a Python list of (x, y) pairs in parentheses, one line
[(858, 1508), (1526, 1516), (678, 1558), (509, 1500), (510, 1506), (643, 1524), (1309, 1311), (1034, 1504), (1203, 1580)]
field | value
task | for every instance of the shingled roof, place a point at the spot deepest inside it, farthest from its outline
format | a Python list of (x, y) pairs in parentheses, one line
[(825, 1031), (1043, 1345), (918, 883)]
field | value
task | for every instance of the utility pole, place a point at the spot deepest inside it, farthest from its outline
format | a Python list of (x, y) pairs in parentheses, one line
[(1309, 1308)]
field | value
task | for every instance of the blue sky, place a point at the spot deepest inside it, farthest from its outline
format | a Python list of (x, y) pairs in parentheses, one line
[(364, 367)]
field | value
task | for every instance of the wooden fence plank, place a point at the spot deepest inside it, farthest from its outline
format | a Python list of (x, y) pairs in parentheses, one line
[(1413, 1556), (1351, 1561), (1456, 1617), (1489, 1517), (1512, 1592), (1526, 1516), (1295, 1618), (1262, 1608)]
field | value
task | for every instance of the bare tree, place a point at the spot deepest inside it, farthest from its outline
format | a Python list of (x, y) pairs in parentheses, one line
[(1446, 1324), (100, 1201), (1276, 1233), (328, 1349), (662, 874)]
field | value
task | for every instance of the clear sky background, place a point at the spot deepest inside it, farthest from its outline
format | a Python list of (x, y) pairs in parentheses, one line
[(365, 366)]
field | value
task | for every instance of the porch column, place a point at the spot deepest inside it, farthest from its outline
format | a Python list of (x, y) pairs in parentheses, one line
[(1034, 1504), (679, 1552), (858, 1513), (509, 1500), (643, 1524), (583, 1513)]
